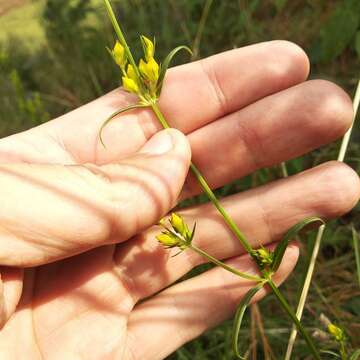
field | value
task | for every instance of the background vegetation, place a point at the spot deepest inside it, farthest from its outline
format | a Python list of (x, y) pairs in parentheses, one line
[(53, 59)]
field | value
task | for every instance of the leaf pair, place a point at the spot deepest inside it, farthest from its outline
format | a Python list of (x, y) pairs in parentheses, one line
[(278, 255)]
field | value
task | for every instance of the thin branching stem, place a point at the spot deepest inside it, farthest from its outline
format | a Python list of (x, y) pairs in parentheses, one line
[(121, 37), (294, 318), (212, 197), (225, 266), (310, 270), (207, 190)]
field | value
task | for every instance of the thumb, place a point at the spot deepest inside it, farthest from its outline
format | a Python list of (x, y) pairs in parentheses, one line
[(51, 212), (147, 185)]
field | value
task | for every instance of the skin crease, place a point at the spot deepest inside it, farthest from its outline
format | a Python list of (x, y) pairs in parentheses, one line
[(69, 198)]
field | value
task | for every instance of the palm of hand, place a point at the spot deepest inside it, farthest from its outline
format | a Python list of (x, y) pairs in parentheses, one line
[(84, 306)]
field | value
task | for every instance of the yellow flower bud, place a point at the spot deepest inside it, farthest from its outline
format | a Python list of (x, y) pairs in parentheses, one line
[(130, 85), (263, 256), (168, 240), (149, 47), (119, 54), (179, 225), (336, 332), (131, 73), (150, 70)]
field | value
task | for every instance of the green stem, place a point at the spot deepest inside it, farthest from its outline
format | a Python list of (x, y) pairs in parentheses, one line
[(343, 351), (223, 265), (295, 320), (207, 190), (121, 37), (204, 185)]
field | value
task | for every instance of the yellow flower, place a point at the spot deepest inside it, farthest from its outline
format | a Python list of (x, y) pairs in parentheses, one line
[(130, 82), (131, 73), (179, 225), (149, 47), (179, 236), (149, 70), (119, 54), (263, 256), (336, 332), (130, 85), (168, 239)]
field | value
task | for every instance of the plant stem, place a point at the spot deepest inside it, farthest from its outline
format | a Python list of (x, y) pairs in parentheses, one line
[(305, 290), (210, 194), (346, 138), (223, 265), (296, 321), (207, 190), (309, 273), (121, 37), (204, 15), (343, 351), (356, 251), (284, 170)]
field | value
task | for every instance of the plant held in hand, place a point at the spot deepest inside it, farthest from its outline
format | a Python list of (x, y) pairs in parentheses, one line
[(145, 79)]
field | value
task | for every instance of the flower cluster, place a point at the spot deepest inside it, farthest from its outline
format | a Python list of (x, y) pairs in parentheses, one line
[(177, 235), (263, 257), (337, 333), (145, 81)]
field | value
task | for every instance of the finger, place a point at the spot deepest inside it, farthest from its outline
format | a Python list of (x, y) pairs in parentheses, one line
[(194, 94), (263, 214), (49, 211), (301, 119), (191, 307), (10, 291)]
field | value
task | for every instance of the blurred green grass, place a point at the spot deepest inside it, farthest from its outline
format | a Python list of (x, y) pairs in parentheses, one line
[(23, 20), (40, 80)]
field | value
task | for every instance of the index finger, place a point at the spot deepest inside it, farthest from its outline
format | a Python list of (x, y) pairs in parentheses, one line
[(194, 95)]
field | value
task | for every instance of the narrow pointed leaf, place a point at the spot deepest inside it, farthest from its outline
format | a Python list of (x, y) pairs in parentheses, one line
[(192, 233), (110, 52), (332, 353), (116, 113), (244, 303), (355, 355), (291, 234), (166, 63)]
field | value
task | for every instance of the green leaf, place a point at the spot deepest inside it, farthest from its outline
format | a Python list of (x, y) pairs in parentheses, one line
[(192, 233), (332, 353), (116, 113), (166, 63), (244, 303), (338, 32), (355, 355), (291, 234)]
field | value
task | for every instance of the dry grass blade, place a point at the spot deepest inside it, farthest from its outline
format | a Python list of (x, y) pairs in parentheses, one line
[(310, 271)]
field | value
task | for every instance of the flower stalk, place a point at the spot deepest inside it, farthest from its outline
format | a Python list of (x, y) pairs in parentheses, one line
[(146, 80)]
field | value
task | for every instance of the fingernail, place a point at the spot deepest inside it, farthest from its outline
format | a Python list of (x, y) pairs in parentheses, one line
[(159, 144)]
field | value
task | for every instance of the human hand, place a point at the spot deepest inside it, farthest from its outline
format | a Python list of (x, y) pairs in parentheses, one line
[(63, 193)]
